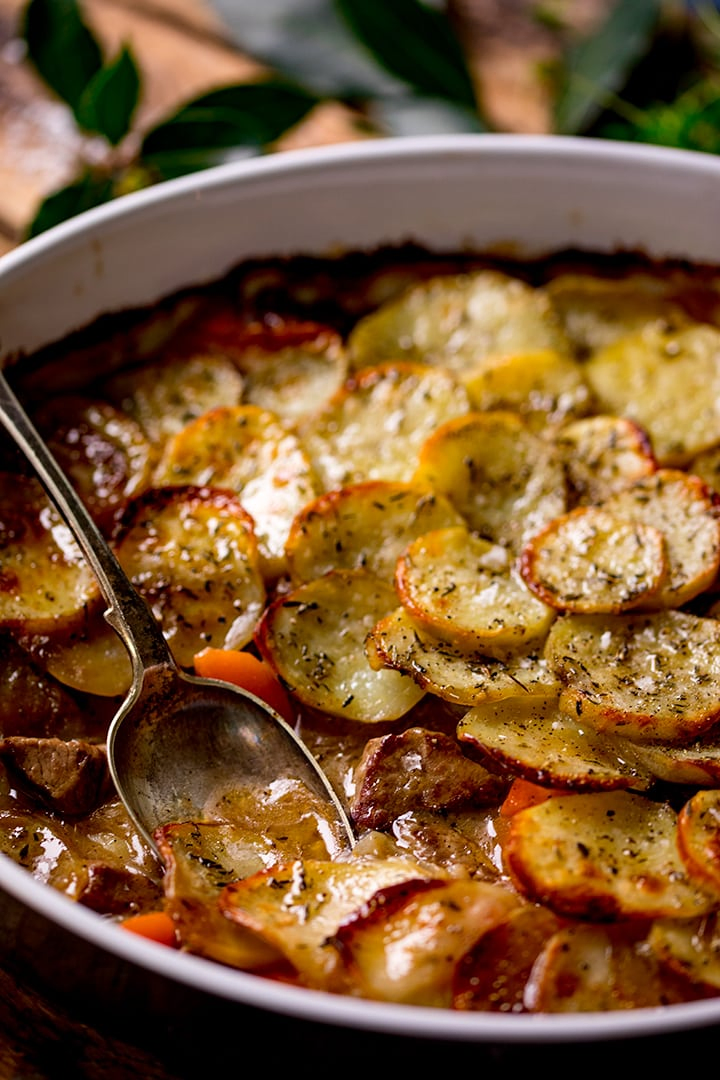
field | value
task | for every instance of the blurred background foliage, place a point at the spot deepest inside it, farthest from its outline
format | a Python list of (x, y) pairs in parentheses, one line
[(646, 71)]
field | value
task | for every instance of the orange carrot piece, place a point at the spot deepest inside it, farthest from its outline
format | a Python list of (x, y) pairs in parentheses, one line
[(245, 670), (155, 925), (523, 793)]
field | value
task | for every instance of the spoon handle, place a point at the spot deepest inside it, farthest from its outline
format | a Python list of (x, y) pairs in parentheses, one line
[(127, 612)]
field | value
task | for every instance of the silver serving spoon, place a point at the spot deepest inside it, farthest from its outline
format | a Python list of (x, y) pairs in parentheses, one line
[(178, 742)]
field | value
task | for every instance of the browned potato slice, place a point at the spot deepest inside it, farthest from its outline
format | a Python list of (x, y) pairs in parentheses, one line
[(105, 453), (406, 948), (466, 590), (491, 976), (165, 395), (591, 560), (374, 426), (689, 947), (253, 453), (191, 552), (545, 387), (706, 465), (530, 736), (603, 454), (455, 320), (45, 582), (297, 907), (596, 312), (398, 642), (598, 969), (696, 764), (364, 526), (200, 859), (90, 657), (505, 480), (668, 381), (699, 837), (314, 638), (294, 381), (603, 856), (647, 677), (684, 511)]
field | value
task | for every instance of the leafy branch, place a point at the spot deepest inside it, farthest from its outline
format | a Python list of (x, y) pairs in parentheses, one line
[(399, 65)]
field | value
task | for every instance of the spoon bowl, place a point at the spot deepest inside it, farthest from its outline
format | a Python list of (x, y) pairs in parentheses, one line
[(179, 744)]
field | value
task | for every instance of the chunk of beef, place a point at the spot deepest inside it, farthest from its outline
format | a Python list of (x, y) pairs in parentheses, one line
[(417, 770), (32, 702), (111, 890), (67, 777)]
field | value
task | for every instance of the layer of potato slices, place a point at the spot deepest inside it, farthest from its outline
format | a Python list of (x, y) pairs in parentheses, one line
[(604, 856), (505, 480), (690, 947), (252, 452), (699, 836), (685, 511), (530, 736), (374, 426), (45, 582), (396, 641), (314, 638), (668, 381), (363, 526), (168, 393), (648, 677), (603, 454), (696, 764), (596, 312), (595, 968), (545, 387), (297, 907), (406, 945), (466, 590), (192, 553), (103, 450), (456, 320), (592, 560)]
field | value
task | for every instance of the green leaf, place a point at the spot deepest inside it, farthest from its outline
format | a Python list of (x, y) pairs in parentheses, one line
[(598, 67), (61, 47), (249, 115), (414, 42), (69, 201), (108, 102)]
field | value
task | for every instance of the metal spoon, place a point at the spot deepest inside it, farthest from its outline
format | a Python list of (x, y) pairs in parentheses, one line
[(178, 742)]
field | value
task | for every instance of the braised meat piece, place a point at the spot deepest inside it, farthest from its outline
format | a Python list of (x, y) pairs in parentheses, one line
[(69, 777), (31, 701), (112, 890), (417, 770)]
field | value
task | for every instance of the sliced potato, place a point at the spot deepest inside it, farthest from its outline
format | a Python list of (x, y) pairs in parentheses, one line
[(406, 946), (603, 856), (168, 393), (398, 642), (297, 907), (603, 454), (90, 657), (595, 312), (104, 452), (706, 465), (363, 526), (600, 969), (668, 381), (545, 387), (505, 480), (45, 582), (591, 560), (529, 736), (455, 320), (683, 509), (647, 677), (465, 589), (691, 947), (373, 428), (192, 553), (699, 837), (253, 453), (696, 764), (293, 380), (314, 638)]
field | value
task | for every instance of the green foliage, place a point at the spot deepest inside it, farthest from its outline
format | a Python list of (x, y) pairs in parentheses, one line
[(398, 64)]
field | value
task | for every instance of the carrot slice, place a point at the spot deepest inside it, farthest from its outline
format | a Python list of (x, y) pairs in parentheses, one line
[(245, 670), (524, 793), (155, 925)]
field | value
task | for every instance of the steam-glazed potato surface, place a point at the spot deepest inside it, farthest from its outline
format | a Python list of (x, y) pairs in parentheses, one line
[(462, 513)]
